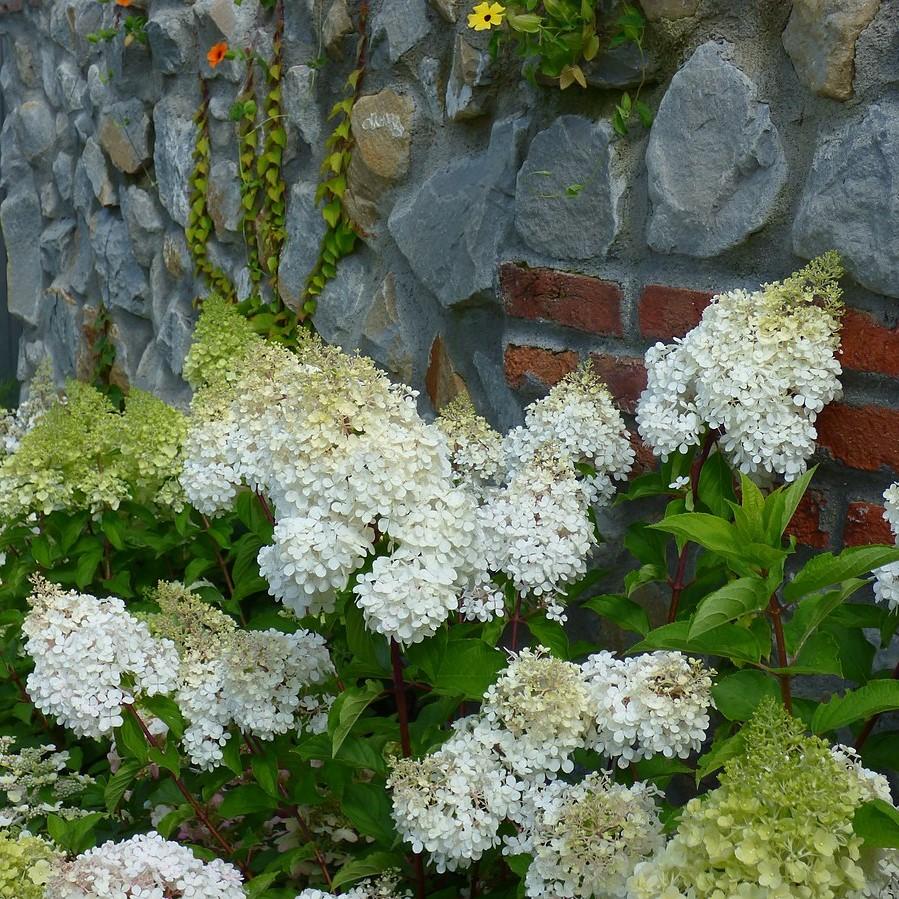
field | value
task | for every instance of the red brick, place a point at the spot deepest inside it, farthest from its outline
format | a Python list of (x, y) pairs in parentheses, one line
[(547, 366), (805, 525), (865, 524), (576, 301), (624, 375), (667, 312), (864, 437), (868, 345)]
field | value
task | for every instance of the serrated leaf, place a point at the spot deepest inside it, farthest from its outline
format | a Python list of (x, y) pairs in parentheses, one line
[(826, 569), (627, 614), (347, 709), (119, 782), (246, 800), (877, 823), (371, 865), (737, 695), (873, 698)]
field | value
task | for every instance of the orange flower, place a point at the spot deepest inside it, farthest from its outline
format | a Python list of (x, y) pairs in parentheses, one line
[(216, 54), (123, 2)]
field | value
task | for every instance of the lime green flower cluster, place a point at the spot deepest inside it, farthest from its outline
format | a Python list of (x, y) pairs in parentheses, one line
[(222, 339), (26, 864), (778, 827), (84, 455)]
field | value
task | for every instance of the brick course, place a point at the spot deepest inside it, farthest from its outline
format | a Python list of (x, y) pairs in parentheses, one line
[(575, 301), (865, 524), (546, 366)]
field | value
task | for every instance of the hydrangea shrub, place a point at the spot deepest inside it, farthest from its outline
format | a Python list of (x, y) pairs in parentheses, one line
[(303, 641)]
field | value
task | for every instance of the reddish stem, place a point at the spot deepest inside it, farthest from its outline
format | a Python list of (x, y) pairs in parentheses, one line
[(223, 566), (199, 811), (868, 729), (516, 619), (265, 508), (402, 710), (775, 611)]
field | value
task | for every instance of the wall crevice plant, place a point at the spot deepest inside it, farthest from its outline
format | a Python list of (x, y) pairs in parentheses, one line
[(302, 643)]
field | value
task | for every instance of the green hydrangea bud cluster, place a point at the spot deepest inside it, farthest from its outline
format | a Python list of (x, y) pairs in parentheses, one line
[(85, 455), (222, 340), (26, 864), (779, 826)]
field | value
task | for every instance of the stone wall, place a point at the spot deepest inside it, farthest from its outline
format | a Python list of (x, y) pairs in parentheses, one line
[(509, 233)]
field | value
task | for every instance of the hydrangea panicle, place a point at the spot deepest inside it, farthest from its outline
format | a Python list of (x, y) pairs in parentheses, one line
[(91, 657), (759, 367)]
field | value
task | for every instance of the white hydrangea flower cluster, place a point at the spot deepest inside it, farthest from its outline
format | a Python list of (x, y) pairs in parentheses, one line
[(537, 528), (144, 867), (344, 458), (91, 657), (646, 705), (384, 887), (496, 765), (36, 783), (759, 367), (483, 602), (886, 584), (453, 801), (42, 395), (256, 680), (345, 461), (587, 838), (580, 419)]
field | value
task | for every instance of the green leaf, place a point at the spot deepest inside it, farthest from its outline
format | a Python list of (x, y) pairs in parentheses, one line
[(467, 668), (826, 569), (166, 710), (781, 505), (527, 23), (623, 611), (550, 634), (734, 600), (737, 695), (709, 531), (174, 819), (716, 485), (368, 806), (131, 741), (246, 800), (118, 784), (720, 752), (728, 640), (872, 699), (877, 823), (74, 836), (346, 711), (265, 771), (813, 610), (371, 865)]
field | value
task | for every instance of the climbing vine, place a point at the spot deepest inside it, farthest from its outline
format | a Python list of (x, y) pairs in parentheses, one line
[(342, 231), (102, 352), (262, 141), (199, 223)]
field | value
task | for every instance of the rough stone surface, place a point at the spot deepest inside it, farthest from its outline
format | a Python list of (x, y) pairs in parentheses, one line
[(125, 135), (382, 129), (344, 303), (451, 228), (72, 85), (223, 197), (145, 221), (383, 335), (567, 194), (398, 27), (300, 103), (467, 96), (668, 9), (715, 160), (122, 280), (448, 9), (850, 194), (36, 128), (96, 168), (172, 37), (305, 230), (56, 240), (820, 38), (175, 139), (337, 25), (20, 216), (621, 67)]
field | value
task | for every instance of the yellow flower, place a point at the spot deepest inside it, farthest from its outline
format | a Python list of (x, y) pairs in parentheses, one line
[(486, 16)]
